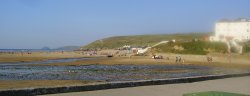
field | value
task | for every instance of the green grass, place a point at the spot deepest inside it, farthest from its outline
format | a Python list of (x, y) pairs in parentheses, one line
[(198, 47), (185, 41), (141, 40), (246, 48), (214, 93)]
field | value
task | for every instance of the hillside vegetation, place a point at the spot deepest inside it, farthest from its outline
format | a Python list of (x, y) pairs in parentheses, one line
[(141, 40), (194, 47), (246, 47)]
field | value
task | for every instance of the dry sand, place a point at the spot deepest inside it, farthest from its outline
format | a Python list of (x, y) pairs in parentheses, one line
[(218, 60), (234, 85)]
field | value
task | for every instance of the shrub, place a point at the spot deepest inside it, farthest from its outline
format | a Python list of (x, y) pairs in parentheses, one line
[(246, 48)]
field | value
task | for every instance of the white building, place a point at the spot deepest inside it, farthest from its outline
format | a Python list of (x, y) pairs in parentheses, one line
[(237, 30)]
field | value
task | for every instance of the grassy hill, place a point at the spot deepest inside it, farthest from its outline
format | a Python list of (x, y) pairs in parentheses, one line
[(194, 47), (142, 40)]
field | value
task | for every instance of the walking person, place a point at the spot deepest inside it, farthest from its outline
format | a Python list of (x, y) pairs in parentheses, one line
[(179, 59), (209, 59), (176, 59)]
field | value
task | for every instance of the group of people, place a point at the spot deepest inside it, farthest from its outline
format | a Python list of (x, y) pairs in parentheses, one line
[(209, 59), (178, 59)]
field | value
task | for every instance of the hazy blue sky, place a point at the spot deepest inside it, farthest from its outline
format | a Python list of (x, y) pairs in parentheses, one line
[(55, 23)]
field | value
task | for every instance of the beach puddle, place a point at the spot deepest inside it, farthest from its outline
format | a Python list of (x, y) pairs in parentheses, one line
[(108, 72)]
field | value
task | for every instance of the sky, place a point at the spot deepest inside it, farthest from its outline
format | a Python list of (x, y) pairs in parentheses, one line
[(34, 24)]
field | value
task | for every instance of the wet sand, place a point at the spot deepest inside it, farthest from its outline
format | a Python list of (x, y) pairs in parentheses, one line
[(220, 61), (239, 85), (40, 56), (19, 84)]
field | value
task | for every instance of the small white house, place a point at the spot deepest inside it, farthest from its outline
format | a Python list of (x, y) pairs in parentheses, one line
[(238, 30)]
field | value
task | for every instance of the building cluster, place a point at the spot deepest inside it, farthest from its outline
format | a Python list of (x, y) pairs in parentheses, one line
[(236, 30)]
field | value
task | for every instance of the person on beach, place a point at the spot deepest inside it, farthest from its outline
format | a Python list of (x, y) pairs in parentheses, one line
[(179, 59), (209, 59), (176, 59)]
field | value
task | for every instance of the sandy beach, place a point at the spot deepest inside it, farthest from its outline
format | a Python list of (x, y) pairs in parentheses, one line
[(239, 85), (224, 60), (40, 56), (219, 60)]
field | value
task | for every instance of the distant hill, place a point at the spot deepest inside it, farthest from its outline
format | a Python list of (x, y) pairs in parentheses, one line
[(142, 40), (45, 48), (68, 48)]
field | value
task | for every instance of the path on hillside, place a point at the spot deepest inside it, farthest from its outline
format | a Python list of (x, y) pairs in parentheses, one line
[(162, 42), (234, 85), (146, 49)]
